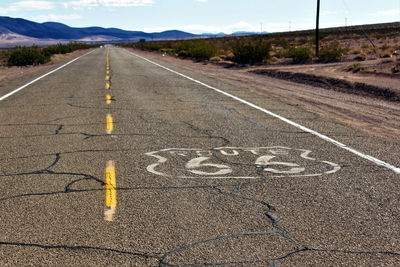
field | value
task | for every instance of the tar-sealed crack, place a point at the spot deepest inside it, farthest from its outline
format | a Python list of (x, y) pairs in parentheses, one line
[(234, 192), (207, 133), (231, 191)]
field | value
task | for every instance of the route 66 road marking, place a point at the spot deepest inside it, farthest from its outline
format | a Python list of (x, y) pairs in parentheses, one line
[(238, 163)]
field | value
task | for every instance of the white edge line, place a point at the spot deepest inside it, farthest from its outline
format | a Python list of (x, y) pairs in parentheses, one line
[(41, 77), (303, 128)]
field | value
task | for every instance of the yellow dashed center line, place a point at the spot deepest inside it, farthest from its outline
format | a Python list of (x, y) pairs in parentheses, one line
[(110, 181), (110, 124), (110, 191), (108, 99), (108, 77)]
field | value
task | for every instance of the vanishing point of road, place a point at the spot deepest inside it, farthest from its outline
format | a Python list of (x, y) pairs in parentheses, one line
[(119, 159)]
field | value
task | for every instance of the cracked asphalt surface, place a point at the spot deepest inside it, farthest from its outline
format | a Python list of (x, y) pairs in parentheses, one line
[(200, 179)]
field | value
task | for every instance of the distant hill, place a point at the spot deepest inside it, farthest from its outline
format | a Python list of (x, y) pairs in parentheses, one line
[(16, 31), (248, 33)]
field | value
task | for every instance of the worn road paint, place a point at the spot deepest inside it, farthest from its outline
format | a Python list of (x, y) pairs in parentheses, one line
[(41, 77), (108, 99), (110, 124), (299, 126), (276, 161), (110, 191)]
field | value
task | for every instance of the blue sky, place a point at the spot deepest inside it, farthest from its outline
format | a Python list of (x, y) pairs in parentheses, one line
[(199, 16)]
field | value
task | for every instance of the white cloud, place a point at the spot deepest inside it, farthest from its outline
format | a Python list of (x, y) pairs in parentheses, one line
[(28, 6), (328, 12), (241, 26), (200, 28), (59, 18), (392, 12), (80, 4)]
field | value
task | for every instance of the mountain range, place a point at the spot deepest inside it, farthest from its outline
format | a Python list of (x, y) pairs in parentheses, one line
[(16, 31)]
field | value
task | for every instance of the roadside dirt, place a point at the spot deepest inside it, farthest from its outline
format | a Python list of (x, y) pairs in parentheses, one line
[(336, 76), (334, 83), (378, 116), (11, 73)]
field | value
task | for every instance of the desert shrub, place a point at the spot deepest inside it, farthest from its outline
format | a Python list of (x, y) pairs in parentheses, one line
[(167, 51), (251, 51), (149, 46), (282, 42), (396, 69), (202, 50), (365, 46), (64, 48), (385, 47), (23, 56), (331, 52), (196, 49), (4, 54), (216, 59), (360, 57), (273, 59), (387, 60), (154, 47), (228, 56), (300, 54), (355, 67), (303, 41), (384, 54)]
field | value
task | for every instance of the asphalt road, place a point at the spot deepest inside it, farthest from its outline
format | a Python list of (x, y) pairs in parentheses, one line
[(174, 172)]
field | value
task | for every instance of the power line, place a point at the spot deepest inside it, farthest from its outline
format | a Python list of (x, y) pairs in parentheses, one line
[(317, 30)]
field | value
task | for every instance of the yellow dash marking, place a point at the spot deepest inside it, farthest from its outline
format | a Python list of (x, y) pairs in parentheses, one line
[(108, 72), (107, 85), (107, 77), (110, 191), (110, 124), (108, 99)]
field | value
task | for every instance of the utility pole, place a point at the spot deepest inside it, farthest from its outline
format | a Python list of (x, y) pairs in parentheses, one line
[(317, 30)]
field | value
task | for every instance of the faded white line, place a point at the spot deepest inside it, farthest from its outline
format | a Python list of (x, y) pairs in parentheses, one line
[(303, 128), (41, 77)]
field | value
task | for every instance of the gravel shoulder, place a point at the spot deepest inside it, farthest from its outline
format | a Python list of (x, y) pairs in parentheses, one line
[(13, 77)]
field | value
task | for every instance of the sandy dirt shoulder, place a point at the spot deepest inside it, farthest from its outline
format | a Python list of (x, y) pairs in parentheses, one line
[(375, 116), (338, 74), (11, 73)]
